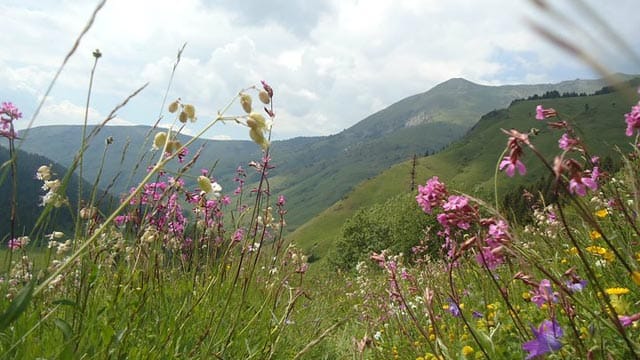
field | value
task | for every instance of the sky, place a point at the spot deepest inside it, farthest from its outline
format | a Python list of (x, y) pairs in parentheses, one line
[(331, 63)]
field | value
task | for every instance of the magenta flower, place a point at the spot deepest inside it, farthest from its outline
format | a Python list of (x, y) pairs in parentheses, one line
[(547, 339), (431, 195), (281, 200), (633, 120), (542, 113), (510, 167)]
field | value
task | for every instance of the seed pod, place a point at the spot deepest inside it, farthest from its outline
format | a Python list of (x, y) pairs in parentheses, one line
[(190, 110), (183, 117), (245, 101), (258, 137), (204, 183), (159, 140), (173, 107), (264, 97), (173, 146), (259, 119)]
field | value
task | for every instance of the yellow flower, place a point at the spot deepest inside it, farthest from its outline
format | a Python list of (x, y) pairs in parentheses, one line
[(467, 350), (602, 213), (594, 234), (616, 291)]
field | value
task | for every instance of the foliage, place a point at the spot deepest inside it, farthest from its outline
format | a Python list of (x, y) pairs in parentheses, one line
[(396, 225)]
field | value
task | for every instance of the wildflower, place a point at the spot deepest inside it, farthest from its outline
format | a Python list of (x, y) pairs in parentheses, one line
[(633, 120), (566, 143), (511, 166), (8, 113), (431, 195), (467, 350), (512, 162), (546, 339), (453, 308), (281, 200), (544, 294), (43, 173), (602, 213), (616, 291), (542, 113), (594, 234), (628, 320), (578, 184)]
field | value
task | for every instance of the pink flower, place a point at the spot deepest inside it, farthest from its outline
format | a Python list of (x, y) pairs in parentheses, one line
[(578, 184), (510, 167), (14, 244), (542, 113), (431, 195), (566, 143), (281, 200), (544, 293), (633, 120)]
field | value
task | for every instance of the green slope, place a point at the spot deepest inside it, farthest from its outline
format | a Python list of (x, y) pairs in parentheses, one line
[(312, 172), (469, 164)]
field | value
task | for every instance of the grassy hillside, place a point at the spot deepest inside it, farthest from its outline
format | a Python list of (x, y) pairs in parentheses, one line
[(469, 164), (312, 172)]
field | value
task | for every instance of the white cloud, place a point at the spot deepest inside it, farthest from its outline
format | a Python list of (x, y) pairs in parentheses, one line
[(331, 62)]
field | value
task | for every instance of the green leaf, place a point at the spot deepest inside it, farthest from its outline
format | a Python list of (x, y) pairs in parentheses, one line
[(65, 302), (67, 333), (17, 306)]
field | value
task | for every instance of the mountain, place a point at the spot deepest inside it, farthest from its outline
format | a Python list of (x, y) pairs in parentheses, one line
[(312, 172), (29, 196), (468, 165)]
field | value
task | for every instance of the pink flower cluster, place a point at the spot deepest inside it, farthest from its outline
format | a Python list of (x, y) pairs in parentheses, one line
[(633, 120), (8, 113), (458, 216)]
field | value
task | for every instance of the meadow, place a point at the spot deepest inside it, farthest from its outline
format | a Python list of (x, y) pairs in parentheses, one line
[(183, 268)]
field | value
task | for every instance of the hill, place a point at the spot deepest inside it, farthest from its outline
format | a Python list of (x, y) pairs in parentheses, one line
[(30, 192), (468, 165), (312, 172)]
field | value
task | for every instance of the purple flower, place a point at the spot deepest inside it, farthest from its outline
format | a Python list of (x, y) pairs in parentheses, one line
[(546, 339), (510, 166), (453, 309), (576, 285)]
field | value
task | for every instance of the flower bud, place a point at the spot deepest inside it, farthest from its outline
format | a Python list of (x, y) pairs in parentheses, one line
[(173, 107), (159, 140), (264, 97), (183, 117), (245, 101)]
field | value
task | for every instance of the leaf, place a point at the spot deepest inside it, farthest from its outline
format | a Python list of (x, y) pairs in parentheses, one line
[(67, 333), (17, 306)]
